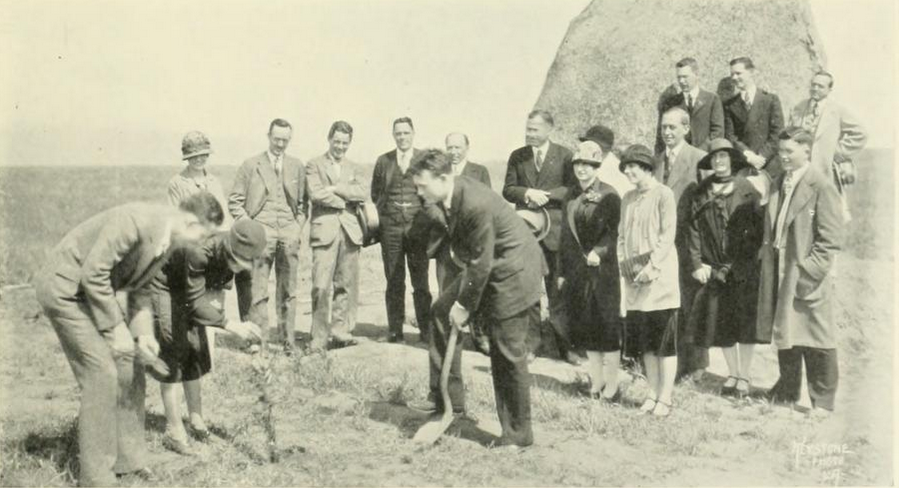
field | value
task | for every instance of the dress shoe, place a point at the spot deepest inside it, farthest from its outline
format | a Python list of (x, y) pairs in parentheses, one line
[(394, 338), (144, 474), (614, 399), (341, 342), (648, 406), (572, 358), (742, 388), (199, 431), (661, 409), (729, 388), (426, 405), (177, 445)]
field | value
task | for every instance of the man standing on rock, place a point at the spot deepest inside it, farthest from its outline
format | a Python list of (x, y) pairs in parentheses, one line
[(403, 231), (270, 188), (500, 282), (753, 118), (704, 107), (538, 176)]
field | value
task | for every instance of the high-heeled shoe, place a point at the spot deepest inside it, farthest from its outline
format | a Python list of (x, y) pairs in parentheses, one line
[(729, 390), (649, 405), (742, 387)]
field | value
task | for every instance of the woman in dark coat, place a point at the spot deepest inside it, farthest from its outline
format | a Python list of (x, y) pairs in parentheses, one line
[(189, 298), (590, 281), (724, 241)]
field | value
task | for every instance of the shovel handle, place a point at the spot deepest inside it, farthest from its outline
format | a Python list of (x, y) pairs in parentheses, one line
[(445, 370)]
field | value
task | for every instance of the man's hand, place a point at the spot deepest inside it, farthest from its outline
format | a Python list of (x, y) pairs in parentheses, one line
[(458, 315), (754, 159), (120, 340), (244, 330), (703, 274), (847, 172), (536, 197), (147, 348), (593, 259)]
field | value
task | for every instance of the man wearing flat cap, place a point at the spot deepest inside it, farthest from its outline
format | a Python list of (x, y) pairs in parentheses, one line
[(537, 176), (677, 170)]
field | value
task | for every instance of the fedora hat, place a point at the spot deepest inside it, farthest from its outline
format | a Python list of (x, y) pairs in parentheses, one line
[(737, 159), (639, 154), (367, 213), (537, 220), (599, 134)]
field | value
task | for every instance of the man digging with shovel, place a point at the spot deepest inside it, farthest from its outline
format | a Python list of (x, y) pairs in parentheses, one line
[(501, 280)]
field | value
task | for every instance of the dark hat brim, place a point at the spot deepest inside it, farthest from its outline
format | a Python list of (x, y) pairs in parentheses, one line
[(201, 152), (591, 162), (650, 167), (737, 159), (244, 264)]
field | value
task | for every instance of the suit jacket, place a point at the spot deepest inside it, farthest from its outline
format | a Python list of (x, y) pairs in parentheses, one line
[(332, 211), (706, 118), (121, 249), (796, 290), (838, 135), (254, 181), (683, 181), (386, 168), (757, 128), (477, 172), (555, 177), (504, 264)]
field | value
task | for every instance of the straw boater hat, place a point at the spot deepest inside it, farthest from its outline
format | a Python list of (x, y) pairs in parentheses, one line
[(195, 143), (537, 220), (737, 159), (367, 214)]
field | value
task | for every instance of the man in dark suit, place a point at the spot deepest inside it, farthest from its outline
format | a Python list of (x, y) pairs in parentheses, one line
[(678, 171), (500, 282), (538, 175), (403, 231), (270, 188), (753, 118), (705, 108)]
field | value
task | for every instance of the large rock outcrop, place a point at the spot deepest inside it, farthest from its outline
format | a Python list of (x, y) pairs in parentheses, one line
[(619, 55)]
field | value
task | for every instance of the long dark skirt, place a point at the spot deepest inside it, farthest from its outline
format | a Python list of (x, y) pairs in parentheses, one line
[(725, 313), (592, 306), (182, 346)]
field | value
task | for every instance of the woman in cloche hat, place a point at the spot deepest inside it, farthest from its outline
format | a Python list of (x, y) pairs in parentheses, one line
[(724, 241)]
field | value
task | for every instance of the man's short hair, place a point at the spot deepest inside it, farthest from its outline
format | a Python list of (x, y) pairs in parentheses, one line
[(207, 209), (341, 126), (688, 62), (433, 160), (744, 60), (684, 115), (543, 114), (798, 135), (403, 120), (464, 137), (827, 74), (279, 123)]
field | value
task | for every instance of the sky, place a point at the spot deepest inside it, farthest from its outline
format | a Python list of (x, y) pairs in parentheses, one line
[(110, 82)]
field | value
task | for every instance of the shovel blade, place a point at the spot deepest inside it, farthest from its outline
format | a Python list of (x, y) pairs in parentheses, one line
[(431, 431)]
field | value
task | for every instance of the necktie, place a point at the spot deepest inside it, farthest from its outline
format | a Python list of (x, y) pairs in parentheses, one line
[(747, 100), (401, 159), (278, 166), (539, 160), (689, 103), (779, 238), (667, 172)]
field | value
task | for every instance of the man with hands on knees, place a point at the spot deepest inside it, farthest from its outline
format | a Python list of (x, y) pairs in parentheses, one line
[(118, 250)]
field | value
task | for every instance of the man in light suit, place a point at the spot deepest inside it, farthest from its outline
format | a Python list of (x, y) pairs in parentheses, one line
[(270, 188), (838, 134), (500, 282), (753, 118), (119, 250), (678, 171), (803, 232), (335, 189), (404, 232), (705, 108), (538, 176)]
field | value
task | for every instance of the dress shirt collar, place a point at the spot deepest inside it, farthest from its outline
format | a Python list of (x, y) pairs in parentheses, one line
[(543, 149), (272, 158), (694, 94), (797, 174), (749, 94), (674, 151), (459, 167)]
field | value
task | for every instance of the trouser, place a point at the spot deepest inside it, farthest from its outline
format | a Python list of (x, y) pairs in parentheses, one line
[(557, 317), (283, 250), (111, 418), (690, 357), (399, 248), (508, 361), (821, 372), (335, 273), (243, 287)]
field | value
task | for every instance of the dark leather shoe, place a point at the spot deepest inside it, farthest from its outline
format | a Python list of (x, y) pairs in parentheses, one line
[(144, 474), (394, 338), (426, 405), (177, 445), (342, 342)]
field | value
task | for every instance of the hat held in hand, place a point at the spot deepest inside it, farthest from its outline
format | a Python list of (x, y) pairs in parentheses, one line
[(537, 220), (246, 242)]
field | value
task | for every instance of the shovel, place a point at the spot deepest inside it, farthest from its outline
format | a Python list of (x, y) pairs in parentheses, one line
[(431, 431)]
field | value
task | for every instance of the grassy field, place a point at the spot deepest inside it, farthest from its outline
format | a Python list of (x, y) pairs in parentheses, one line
[(342, 419)]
